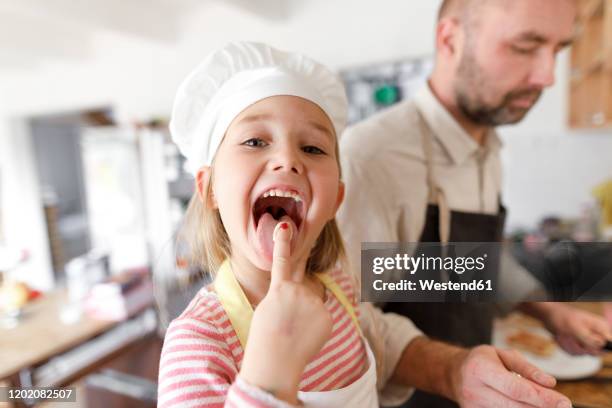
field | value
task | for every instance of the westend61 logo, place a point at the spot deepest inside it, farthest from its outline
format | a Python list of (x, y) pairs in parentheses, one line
[(414, 264)]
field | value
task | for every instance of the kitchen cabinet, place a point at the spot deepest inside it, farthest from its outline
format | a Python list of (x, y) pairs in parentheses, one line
[(590, 99)]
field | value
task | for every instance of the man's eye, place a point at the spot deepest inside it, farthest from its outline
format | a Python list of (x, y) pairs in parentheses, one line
[(523, 50), (312, 150), (255, 142)]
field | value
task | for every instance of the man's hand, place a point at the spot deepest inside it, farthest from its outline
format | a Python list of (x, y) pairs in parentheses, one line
[(490, 377), (577, 331), (481, 377)]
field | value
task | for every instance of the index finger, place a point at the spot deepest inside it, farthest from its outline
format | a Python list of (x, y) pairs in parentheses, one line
[(281, 269)]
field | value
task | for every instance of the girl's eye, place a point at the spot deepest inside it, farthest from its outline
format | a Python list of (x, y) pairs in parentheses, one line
[(255, 142), (312, 150)]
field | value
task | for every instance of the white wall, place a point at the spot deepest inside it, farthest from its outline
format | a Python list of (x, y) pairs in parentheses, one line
[(139, 76), (548, 173)]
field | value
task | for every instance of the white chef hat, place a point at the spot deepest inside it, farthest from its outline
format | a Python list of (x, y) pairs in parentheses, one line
[(233, 78)]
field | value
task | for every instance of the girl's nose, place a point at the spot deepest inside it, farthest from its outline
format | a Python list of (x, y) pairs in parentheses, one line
[(287, 159)]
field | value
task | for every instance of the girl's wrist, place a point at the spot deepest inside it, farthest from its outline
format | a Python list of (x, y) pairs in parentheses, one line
[(277, 378), (268, 397), (277, 387)]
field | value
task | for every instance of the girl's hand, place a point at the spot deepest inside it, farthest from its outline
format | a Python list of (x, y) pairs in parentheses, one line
[(289, 327)]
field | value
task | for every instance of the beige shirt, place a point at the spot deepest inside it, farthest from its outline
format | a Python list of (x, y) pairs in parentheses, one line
[(383, 167)]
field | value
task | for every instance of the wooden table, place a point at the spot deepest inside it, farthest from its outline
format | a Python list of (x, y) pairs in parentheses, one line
[(596, 391), (41, 335)]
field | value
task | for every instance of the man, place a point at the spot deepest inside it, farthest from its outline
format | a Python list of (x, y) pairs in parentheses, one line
[(428, 170)]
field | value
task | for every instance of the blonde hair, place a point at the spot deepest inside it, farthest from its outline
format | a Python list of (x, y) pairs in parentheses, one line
[(209, 245)]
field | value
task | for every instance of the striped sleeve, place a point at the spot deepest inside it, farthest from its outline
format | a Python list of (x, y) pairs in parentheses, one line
[(197, 370)]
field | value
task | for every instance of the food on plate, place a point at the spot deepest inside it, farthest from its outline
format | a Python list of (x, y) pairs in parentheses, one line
[(533, 343), (521, 321)]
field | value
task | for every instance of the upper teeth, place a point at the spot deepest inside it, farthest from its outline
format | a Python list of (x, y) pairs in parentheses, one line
[(279, 193)]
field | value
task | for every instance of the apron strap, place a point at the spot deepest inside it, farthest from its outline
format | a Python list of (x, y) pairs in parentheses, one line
[(240, 311), (331, 284), (436, 194), (234, 301)]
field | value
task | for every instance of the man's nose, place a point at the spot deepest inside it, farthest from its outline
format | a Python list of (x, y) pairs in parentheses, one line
[(543, 73), (287, 159)]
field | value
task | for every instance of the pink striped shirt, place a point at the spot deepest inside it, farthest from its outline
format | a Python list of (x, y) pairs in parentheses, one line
[(202, 356)]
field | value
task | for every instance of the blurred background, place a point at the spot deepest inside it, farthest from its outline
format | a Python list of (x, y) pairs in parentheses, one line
[(92, 192)]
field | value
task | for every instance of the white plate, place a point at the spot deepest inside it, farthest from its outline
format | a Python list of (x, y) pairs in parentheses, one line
[(561, 365)]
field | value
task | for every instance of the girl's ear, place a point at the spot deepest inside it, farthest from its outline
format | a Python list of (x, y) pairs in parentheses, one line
[(203, 179)]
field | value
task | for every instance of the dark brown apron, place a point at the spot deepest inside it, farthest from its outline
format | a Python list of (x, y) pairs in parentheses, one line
[(465, 324)]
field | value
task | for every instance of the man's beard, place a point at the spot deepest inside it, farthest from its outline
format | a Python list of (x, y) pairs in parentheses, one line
[(472, 83)]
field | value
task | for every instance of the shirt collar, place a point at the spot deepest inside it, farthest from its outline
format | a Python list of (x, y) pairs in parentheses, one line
[(456, 141)]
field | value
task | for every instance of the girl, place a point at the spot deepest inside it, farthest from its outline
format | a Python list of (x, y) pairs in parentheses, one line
[(278, 326)]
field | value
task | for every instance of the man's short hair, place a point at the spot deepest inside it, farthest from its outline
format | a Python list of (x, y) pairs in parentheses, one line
[(458, 8), (444, 8)]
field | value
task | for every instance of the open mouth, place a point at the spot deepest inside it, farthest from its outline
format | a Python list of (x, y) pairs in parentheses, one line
[(279, 203)]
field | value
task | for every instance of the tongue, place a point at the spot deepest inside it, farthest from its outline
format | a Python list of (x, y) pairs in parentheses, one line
[(265, 229)]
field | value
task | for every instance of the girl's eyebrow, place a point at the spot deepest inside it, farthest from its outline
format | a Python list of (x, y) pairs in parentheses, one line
[(255, 118), (321, 128)]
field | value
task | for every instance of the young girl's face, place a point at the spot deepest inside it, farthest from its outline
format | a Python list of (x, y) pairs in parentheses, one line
[(276, 163)]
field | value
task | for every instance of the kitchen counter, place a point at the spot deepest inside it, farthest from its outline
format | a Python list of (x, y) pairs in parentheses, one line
[(43, 351)]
